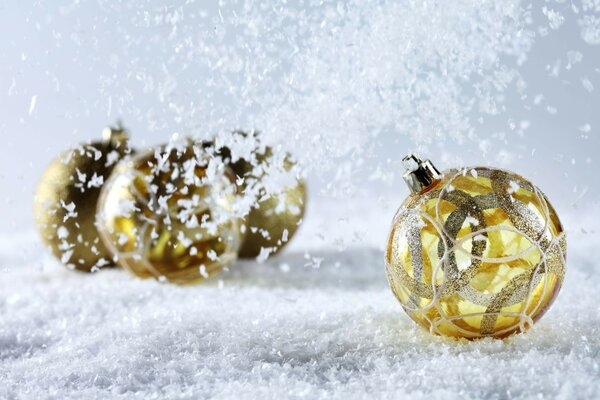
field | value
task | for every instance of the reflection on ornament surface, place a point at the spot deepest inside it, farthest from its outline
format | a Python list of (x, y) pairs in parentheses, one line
[(480, 253), (168, 214)]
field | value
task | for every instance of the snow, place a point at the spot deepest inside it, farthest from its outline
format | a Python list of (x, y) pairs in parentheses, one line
[(318, 321), (590, 29)]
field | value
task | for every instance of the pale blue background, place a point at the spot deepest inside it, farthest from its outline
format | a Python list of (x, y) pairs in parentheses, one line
[(62, 53)]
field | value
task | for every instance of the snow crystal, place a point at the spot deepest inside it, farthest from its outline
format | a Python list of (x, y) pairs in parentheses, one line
[(203, 271), (62, 232), (212, 255), (471, 220), (70, 209), (32, 104), (573, 57), (264, 254), (95, 181), (587, 84), (591, 5), (555, 19), (512, 187), (590, 29), (11, 88)]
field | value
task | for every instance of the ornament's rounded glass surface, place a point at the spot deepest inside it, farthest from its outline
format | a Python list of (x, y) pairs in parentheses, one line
[(168, 214), (479, 252), (66, 199)]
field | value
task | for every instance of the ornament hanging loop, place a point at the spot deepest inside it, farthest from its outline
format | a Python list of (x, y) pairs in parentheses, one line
[(419, 175)]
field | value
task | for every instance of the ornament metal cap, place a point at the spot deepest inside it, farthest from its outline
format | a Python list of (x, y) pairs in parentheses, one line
[(419, 174), (115, 136)]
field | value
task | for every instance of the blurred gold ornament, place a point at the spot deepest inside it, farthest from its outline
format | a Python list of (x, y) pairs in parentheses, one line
[(474, 252), (168, 214), (273, 222), (66, 198)]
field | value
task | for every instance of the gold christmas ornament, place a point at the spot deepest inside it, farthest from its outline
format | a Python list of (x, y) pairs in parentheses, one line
[(474, 252), (168, 214), (66, 198), (274, 221)]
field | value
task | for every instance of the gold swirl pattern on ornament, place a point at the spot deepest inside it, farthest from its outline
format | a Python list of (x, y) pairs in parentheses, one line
[(475, 250)]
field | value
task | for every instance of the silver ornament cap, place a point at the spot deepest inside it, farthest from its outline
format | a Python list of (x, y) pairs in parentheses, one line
[(419, 174)]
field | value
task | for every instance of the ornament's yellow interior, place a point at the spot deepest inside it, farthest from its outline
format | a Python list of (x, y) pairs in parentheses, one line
[(163, 222), (481, 253)]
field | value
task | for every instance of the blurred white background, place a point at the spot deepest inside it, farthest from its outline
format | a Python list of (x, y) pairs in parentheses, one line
[(69, 69)]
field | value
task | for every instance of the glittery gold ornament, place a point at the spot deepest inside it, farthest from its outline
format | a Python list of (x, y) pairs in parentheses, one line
[(168, 214), (66, 198), (272, 223), (474, 252)]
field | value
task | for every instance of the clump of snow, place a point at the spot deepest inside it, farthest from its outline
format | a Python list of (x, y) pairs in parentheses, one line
[(555, 18), (590, 29), (591, 5)]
